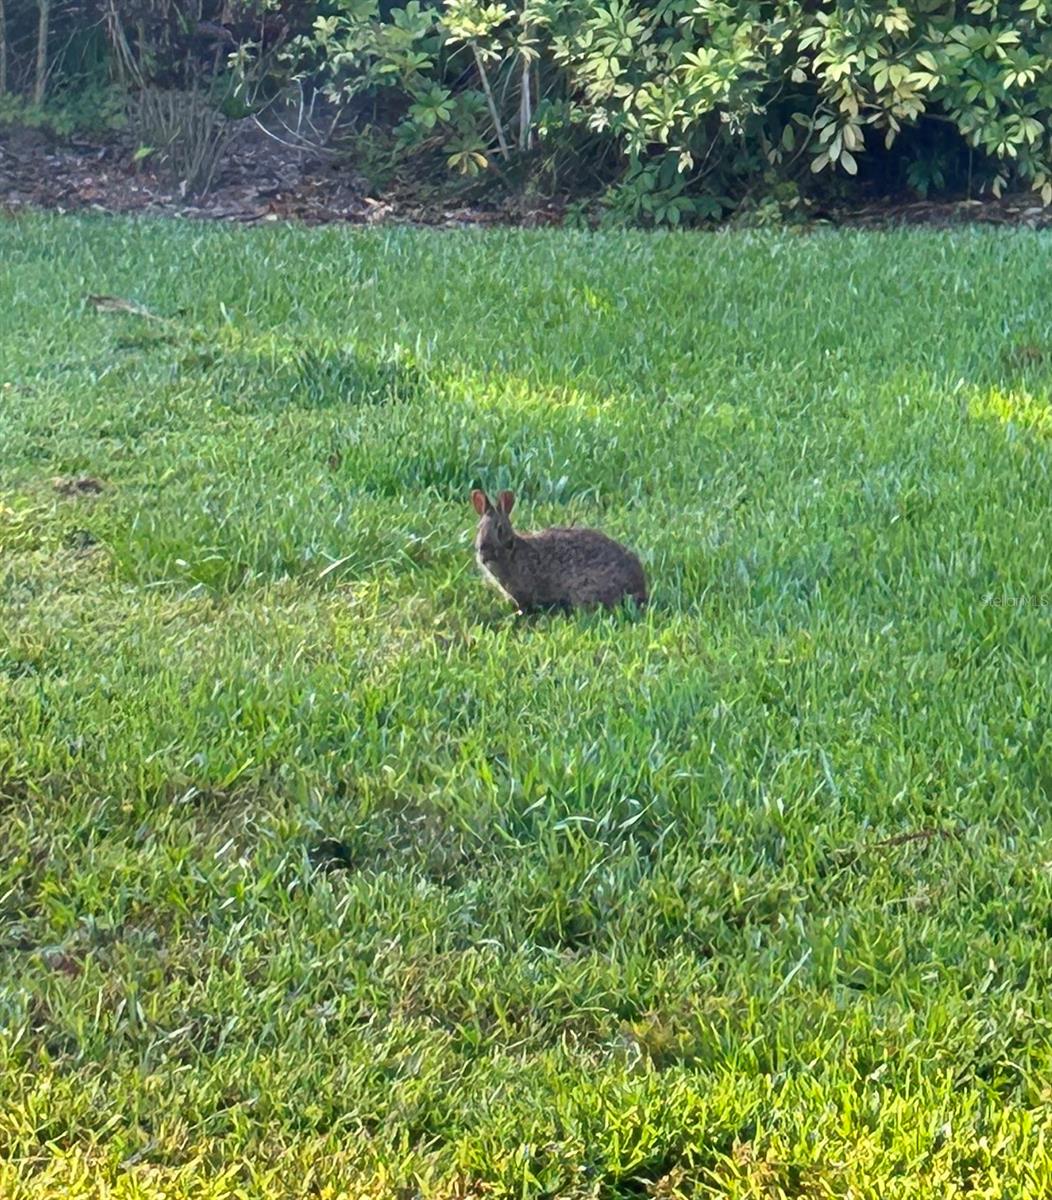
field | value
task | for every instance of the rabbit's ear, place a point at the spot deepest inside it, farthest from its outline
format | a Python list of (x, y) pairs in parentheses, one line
[(481, 502), (506, 502)]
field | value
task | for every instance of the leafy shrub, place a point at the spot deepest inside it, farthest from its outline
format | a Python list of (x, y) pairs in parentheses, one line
[(671, 111), (681, 108)]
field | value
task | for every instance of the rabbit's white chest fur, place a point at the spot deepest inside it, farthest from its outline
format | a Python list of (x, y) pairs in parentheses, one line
[(492, 580)]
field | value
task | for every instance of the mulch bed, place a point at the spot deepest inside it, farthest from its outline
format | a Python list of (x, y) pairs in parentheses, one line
[(260, 180), (264, 180)]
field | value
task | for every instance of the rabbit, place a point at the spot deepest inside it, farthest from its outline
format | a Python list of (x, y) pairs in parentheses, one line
[(553, 568)]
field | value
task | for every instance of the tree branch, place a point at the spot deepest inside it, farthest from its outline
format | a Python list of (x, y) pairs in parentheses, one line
[(501, 140), (3, 50), (40, 82)]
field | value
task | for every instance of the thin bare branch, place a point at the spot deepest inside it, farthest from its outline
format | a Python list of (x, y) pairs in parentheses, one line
[(491, 103), (525, 108), (43, 28), (3, 50)]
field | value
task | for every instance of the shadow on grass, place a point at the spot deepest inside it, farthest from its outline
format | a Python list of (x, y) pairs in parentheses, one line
[(272, 371), (520, 623)]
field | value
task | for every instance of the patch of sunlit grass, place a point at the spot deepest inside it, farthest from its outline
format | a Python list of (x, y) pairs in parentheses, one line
[(1014, 407)]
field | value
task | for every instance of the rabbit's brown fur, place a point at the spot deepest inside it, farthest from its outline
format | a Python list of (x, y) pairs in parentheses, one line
[(553, 568)]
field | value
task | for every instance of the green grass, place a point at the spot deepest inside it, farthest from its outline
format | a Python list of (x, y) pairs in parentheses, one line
[(749, 897)]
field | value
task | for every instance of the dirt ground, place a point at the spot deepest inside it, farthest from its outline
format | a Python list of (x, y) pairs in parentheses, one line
[(262, 179)]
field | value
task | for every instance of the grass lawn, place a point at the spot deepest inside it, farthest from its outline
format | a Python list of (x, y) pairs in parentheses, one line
[(323, 876)]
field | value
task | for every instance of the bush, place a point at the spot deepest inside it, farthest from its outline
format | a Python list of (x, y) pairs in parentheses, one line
[(679, 109), (72, 66), (183, 132), (53, 51)]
